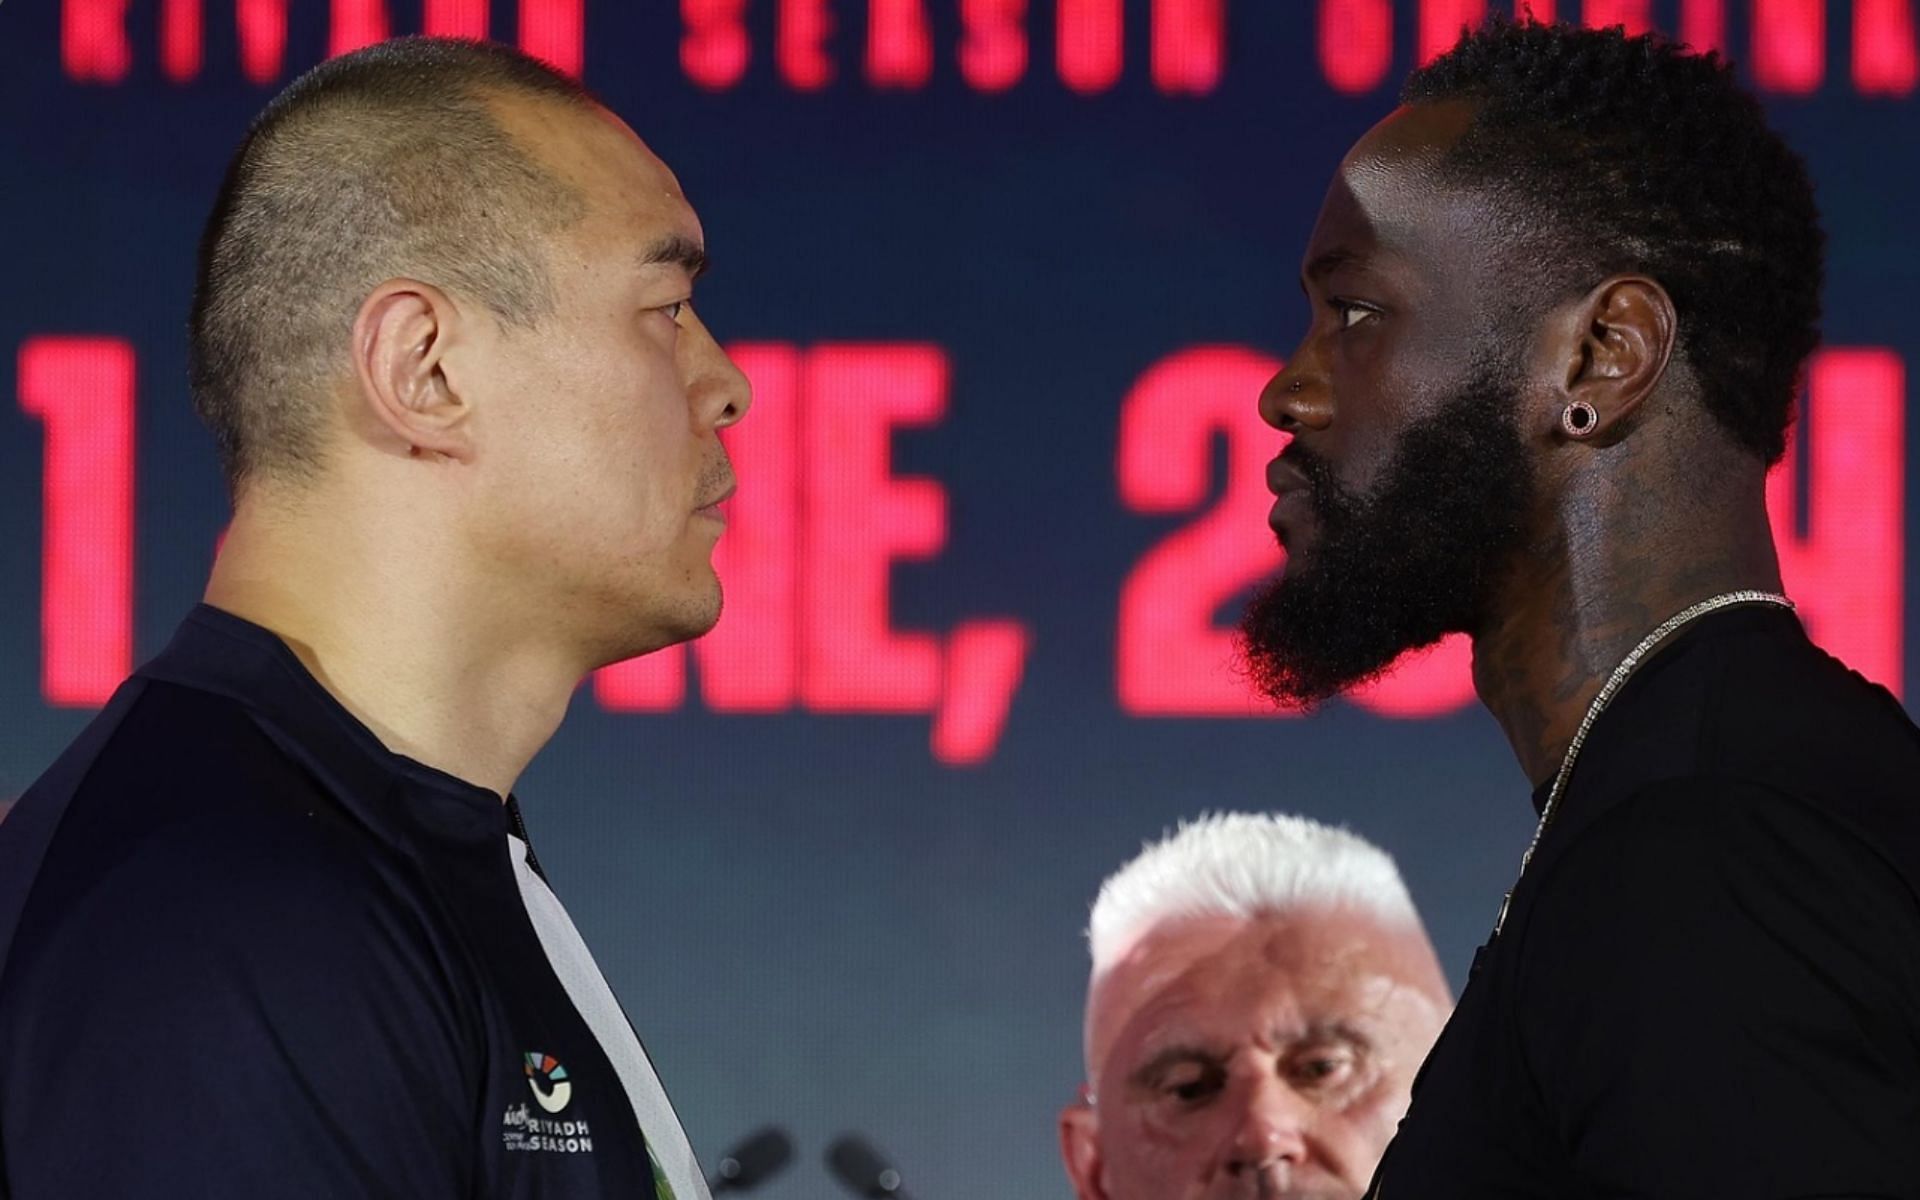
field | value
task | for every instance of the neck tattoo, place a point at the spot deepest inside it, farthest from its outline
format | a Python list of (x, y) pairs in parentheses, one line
[(1611, 688)]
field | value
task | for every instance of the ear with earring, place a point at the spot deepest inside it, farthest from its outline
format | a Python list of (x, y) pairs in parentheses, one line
[(1579, 419)]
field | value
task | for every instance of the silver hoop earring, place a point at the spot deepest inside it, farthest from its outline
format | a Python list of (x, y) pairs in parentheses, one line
[(1579, 419)]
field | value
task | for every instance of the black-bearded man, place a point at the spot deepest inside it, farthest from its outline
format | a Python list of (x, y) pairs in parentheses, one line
[(1561, 303)]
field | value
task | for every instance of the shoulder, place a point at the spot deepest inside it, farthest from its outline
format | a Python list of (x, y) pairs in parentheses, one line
[(208, 933), (1723, 815), (1780, 710), (190, 848), (1751, 731), (166, 737), (158, 753)]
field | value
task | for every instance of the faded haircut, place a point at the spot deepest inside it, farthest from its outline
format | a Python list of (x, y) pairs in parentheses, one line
[(382, 163), (1618, 153), (1243, 865)]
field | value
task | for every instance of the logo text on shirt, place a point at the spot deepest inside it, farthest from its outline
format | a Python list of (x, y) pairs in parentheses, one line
[(523, 1131)]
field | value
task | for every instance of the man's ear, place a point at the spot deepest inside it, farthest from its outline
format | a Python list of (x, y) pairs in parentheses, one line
[(1080, 1147), (400, 338), (1614, 344)]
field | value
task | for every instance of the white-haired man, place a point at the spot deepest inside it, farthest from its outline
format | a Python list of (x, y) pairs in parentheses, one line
[(1262, 994)]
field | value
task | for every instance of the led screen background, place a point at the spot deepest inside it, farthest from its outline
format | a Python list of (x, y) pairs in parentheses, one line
[(1007, 276)]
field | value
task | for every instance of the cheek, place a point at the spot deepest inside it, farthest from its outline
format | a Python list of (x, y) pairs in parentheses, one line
[(618, 451), (1355, 1138), (1371, 1120), (1409, 1023), (1166, 1148), (561, 502), (1385, 383), (1371, 409)]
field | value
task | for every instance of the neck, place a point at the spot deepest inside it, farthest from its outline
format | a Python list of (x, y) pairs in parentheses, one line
[(387, 621), (1614, 564)]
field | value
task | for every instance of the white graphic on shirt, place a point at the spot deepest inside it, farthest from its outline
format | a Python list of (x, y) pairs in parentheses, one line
[(587, 988), (545, 1067)]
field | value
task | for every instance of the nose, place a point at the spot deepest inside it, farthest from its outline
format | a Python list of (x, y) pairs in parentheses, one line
[(1272, 1129), (720, 390), (1296, 399)]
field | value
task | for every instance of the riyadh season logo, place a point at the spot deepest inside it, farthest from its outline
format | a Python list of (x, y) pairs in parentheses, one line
[(521, 1130), (548, 1079)]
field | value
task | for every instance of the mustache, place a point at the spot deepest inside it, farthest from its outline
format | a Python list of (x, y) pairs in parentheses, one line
[(1276, 1182), (716, 476), (1319, 472)]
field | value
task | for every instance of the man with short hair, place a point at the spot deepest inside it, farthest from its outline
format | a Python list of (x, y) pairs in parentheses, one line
[(271, 926), (1262, 993), (1561, 302)]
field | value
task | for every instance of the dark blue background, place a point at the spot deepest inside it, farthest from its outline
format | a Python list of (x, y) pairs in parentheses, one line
[(810, 920)]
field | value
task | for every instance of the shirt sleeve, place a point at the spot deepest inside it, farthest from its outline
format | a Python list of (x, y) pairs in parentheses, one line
[(253, 1027), (1719, 1000)]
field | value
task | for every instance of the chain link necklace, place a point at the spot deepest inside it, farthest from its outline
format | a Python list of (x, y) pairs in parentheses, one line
[(1614, 683)]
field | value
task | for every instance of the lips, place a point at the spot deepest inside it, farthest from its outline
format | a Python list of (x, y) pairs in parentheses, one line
[(711, 509), (1284, 477), (1293, 495)]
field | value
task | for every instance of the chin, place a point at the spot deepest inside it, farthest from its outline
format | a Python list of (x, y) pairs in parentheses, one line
[(687, 617), (1298, 566), (651, 623), (1298, 548)]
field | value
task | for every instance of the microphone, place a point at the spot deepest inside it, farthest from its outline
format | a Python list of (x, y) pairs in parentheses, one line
[(755, 1160), (863, 1170)]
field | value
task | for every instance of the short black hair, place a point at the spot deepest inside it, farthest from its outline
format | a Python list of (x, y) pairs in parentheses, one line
[(1623, 153), (380, 163)]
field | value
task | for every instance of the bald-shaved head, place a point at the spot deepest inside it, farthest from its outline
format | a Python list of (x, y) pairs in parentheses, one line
[(383, 163)]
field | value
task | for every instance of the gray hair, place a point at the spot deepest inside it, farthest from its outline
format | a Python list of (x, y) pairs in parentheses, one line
[(1243, 865)]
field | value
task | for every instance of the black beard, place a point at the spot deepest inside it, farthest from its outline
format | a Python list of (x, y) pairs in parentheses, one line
[(1405, 566)]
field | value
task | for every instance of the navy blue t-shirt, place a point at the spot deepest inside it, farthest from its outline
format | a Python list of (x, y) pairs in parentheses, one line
[(246, 951)]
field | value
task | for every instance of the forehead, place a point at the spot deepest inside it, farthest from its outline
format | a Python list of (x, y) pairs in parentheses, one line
[(631, 196), (1388, 205), (1228, 978)]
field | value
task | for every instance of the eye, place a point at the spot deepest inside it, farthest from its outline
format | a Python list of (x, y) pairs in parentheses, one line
[(1192, 1084), (1321, 1067), (1353, 313), (674, 310)]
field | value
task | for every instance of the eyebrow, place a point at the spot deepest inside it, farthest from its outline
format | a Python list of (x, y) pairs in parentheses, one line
[(1328, 262), (1315, 1034), (676, 250)]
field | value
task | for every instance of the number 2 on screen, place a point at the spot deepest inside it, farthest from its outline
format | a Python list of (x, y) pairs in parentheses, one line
[(1172, 658)]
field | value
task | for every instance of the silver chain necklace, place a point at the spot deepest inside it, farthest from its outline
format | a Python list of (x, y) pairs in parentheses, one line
[(1614, 683)]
